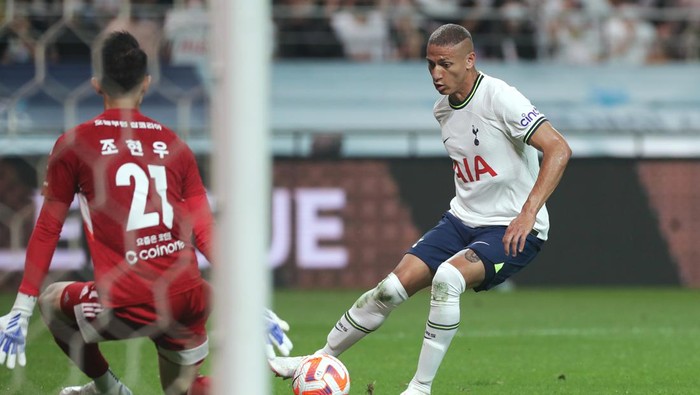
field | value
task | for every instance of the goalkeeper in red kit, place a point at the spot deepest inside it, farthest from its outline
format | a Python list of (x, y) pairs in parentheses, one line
[(142, 202)]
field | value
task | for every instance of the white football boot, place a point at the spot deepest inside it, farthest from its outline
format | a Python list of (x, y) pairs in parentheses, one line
[(91, 389), (284, 366)]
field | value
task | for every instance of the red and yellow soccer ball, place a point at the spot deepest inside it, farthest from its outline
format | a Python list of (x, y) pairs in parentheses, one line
[(321, 375)]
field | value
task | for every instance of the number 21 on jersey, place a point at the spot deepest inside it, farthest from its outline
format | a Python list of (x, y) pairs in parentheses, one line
[(138, 217)]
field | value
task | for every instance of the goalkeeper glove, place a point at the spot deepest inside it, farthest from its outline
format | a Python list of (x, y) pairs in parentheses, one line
[(276, 335), (13, 331)]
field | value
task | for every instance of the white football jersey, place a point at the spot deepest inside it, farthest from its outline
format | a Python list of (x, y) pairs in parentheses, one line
[(495, 168)]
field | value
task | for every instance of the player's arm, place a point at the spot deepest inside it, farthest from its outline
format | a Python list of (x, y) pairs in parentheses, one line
[(277, 338), (555, 155), (202, 224), (199, 215), (42, 244)]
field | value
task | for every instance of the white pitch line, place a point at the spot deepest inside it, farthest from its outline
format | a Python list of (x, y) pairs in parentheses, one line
[(563, 332)]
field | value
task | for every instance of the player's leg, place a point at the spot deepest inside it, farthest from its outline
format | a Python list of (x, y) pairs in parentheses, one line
[(179, 379), (412, 274), (184, 345), (367, 313), (370, 311), (462, 271), (57, 305), (481, 266)]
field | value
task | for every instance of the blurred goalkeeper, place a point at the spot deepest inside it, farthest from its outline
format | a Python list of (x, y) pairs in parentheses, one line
[(142, 201), (497, 221)]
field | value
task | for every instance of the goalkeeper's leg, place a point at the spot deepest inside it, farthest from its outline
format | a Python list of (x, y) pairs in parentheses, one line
[(67, 335), (368, 313), (184, 345), (179, 379)]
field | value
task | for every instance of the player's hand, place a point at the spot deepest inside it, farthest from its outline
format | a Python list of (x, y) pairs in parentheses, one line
[(13, 331), (516, 233), (276, 335)]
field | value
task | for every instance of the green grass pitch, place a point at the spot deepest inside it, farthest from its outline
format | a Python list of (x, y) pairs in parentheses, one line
[(530, 341)]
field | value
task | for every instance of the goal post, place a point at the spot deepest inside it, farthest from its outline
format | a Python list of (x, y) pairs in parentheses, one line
[(241, 51)]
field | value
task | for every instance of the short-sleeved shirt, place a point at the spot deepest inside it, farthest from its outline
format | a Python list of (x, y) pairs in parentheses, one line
[(132, 176), (495, 168)]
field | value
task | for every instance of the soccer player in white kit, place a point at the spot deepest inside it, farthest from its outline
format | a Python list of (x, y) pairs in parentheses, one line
[(497, 221)]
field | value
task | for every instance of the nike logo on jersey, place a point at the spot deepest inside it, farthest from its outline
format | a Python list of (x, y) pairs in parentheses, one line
[(443, 141)]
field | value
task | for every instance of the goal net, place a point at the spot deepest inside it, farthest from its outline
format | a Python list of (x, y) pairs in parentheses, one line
[(202, 91)]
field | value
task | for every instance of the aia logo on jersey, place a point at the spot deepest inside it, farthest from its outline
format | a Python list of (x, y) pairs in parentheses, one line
[(470, 172), (476, 137)]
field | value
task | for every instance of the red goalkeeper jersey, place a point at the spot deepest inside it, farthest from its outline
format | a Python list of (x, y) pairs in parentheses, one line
[(133, 177)]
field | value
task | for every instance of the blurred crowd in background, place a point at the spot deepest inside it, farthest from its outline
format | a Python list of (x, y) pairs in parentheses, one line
[(578, 32), (42, 40)]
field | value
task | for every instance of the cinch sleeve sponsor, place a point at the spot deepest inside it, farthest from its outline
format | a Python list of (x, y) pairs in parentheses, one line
[(520, 117)]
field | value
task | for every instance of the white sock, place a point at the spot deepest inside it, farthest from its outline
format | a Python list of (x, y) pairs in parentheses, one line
[(443, 322), (106, 382), (365, 316)]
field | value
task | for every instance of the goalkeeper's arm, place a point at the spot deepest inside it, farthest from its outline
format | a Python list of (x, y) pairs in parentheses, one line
[(42, 244), (277, 329), (202, 224), (13, 331)]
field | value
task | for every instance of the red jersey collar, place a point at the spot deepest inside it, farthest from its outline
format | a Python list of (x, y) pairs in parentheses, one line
[(121, 113)]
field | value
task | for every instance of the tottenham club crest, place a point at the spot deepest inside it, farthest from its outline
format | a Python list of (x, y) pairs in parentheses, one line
[(476, 137)]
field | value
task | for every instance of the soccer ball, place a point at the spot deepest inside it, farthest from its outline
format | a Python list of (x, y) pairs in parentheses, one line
[(321, 375)]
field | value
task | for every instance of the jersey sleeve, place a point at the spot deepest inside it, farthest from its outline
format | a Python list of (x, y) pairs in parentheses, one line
[(202, 224), (42, 245), (440, 110), (61, 181), (520, 118), (195, 196), (191, 180)]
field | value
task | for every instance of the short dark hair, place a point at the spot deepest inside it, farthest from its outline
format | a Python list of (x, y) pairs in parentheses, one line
[(123, 64), (449, 35)]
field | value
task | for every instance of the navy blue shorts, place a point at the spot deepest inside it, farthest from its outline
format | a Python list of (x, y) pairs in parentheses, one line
[(451, 236)]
